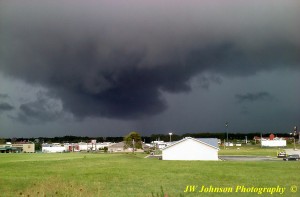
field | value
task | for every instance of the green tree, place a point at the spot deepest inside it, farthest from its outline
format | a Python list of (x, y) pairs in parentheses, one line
[(2, 141), (133, 140), (38, 146), (105, 149)]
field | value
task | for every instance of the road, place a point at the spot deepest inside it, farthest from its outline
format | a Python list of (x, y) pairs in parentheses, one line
[(249, 158)]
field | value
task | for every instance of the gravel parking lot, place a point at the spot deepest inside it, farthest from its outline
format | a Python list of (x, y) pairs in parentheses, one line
[(292, 151)]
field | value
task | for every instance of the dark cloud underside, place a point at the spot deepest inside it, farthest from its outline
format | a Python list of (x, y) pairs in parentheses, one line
[(4, 96), (5, 107), (115, 59), (251, 97)]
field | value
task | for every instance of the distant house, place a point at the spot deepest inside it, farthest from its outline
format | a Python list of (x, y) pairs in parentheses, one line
[(117, 147), (192, 149), (271, 137), (256, 139), (120, 147)]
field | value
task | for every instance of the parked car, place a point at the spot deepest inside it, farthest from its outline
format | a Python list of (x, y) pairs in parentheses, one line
[(281, 155), (292, 157)]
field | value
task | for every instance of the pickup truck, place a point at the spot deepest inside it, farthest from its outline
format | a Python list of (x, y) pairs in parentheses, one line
[(281, 155)]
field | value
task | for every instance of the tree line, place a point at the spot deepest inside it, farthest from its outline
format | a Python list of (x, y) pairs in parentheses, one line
[(146, 139)]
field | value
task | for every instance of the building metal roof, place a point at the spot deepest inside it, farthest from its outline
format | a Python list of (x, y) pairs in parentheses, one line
[(212, 142)]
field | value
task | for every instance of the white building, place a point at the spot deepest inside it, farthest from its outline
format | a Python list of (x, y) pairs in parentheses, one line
[(159, 144), (53, 148), (73, 147), (192, 149), (277, 142), (83, 146)]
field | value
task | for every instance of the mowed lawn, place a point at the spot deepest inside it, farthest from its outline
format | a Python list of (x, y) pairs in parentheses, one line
[(255, 150), (83, 174), (251, 150)]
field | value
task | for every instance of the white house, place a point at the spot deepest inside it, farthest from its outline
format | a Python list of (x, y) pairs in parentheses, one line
[(192, 149)]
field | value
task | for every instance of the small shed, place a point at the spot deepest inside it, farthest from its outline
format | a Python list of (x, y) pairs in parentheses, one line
[(192, 149)]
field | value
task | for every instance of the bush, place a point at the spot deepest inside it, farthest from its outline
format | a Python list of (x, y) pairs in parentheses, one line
[(147, 152), (105, 149)]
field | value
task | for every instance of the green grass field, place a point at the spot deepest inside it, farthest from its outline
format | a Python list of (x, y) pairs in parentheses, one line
[(83, 174), (250, 150), (253, 150)]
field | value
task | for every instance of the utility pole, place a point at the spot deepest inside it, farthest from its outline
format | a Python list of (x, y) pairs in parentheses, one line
[(261, 140), (295, 133), (226, 126), (132, 145)]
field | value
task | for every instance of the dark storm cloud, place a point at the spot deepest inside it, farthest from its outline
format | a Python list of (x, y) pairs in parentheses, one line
[(42, 110), (4, 96), (115, 59), (251, 97), (205, 81), (5, 107)]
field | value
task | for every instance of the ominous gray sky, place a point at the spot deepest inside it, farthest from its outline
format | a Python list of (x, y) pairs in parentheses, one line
[(104, 68)]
